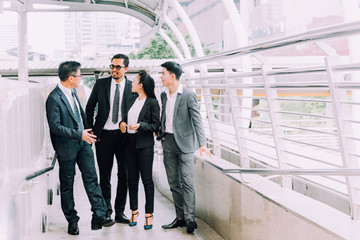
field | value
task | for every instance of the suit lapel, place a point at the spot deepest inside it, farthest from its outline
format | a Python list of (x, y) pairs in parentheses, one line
[(127, 92), (163, 116), (66, 102), (108, 87), (143, 109), (177, 103)]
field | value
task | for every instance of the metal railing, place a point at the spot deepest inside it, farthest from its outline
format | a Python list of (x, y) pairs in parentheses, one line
[(10, 223), (301, 138), (42, 171)]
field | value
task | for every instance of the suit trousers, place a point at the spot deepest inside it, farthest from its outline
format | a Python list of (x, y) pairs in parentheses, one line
[(85, 161), (140, 161), (179, 168), (112, 143)]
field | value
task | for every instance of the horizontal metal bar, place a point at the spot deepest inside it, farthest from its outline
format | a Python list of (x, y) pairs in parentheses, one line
[(350, 120), (307, 181), (225, 123), (346, 67), (312, 159), (351, 137), (307, 129), (350, 102), (223, 140), (258, 142), (301, 86), (256, 131), (305, 114), (253, 119), (317, 69), (220, 113), (252, 109), (252, 97), (244, 74), (222, 131), (303, 100), (309, 144), (261, 154), (333, 172)]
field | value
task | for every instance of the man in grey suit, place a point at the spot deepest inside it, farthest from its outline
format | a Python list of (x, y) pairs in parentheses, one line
[(181, 134)]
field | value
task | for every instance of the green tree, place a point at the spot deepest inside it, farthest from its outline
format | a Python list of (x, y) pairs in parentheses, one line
[(156, 49), (159, 49)]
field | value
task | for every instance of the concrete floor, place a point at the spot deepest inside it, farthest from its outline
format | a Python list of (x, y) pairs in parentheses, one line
[(164, 213)]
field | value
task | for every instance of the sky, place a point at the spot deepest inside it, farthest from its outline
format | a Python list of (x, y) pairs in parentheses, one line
[(45, 30)]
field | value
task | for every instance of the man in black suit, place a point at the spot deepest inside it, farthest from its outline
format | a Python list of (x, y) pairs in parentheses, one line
[(111, 95), (71, 139)]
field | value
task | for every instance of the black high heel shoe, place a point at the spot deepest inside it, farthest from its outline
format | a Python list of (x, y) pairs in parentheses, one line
[(148, 226), (132, 222)]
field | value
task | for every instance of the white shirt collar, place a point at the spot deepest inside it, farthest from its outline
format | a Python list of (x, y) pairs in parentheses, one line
[(122, 83), (64, 89), (178, 90)]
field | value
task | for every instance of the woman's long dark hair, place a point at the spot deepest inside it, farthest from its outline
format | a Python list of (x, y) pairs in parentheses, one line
[(148, 83)]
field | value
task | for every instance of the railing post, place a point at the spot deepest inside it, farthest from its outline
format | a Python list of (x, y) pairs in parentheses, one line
[(236, 112), (275, 118), (344, 131)]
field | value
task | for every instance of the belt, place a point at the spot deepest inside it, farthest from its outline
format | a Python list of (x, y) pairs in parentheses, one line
[(111, 131)]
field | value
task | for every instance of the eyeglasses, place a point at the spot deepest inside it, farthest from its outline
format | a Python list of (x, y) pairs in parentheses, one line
[(79, 76), (117, 67)]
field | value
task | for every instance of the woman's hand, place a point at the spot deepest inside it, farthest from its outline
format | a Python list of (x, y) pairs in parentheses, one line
[(123, 126)]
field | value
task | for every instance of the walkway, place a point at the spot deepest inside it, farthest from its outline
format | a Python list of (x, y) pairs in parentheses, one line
[(164, 213)]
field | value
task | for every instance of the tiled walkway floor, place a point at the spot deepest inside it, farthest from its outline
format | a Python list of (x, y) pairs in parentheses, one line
[(164, 214)]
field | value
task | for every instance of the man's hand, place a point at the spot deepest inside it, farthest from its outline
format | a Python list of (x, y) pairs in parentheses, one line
[(123, 126), (88, 137), (134, 127), (204, 149)]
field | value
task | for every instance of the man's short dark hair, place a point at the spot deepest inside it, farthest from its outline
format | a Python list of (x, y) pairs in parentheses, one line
[(122, 56), (67, 68), (173, 67)]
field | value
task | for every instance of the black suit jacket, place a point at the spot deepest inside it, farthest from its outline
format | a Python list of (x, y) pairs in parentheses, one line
[(149, 119), (64, 133), (100, 96)]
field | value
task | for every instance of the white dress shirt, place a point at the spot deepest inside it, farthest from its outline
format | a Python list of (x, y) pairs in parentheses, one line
[(109, 125), (169, 110), (133, 114)]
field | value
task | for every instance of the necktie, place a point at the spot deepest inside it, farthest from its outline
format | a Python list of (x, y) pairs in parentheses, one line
[(115, 113), (77, 113)]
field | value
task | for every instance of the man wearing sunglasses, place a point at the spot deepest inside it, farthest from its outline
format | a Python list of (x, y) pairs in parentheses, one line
[(111, 96)]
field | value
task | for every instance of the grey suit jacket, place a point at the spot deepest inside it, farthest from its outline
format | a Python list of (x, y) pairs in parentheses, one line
[(187, 125)]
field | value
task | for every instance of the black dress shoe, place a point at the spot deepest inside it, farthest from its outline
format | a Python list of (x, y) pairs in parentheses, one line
[(121, 218), (190, 226), (99, 222), (73, 228), (176, 223)]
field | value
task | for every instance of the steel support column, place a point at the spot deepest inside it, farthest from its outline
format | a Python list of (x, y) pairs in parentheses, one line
[(23, 70)]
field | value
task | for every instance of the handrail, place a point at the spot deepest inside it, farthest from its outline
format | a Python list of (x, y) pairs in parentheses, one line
[(339, 30), (268, 171), (42, 171)]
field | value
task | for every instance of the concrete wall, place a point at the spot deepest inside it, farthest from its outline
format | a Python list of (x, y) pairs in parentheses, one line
[(259, 210)]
